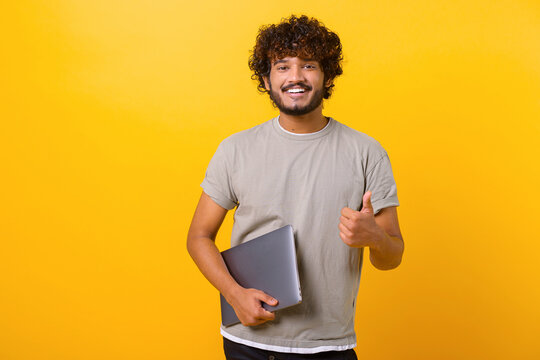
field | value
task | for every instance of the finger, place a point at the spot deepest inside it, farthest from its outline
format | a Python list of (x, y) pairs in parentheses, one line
[(256, 320), (347, 212), (367, 207), (345, 238), (265, 314), (344, 230), (264, 297), (349, 223)]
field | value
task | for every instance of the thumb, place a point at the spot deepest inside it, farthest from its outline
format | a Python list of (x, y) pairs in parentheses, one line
[(366, 203), (264, 297)]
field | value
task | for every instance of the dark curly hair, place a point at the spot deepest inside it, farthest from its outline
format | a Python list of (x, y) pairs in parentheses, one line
[(296, 36)]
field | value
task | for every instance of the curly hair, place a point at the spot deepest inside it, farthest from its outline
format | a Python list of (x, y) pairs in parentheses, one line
[(296, 36)]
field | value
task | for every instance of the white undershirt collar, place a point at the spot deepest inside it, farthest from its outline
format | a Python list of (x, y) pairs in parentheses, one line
[(296, 134)]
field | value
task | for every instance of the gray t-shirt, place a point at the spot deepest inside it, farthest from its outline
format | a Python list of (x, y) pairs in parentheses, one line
[(275, 178)]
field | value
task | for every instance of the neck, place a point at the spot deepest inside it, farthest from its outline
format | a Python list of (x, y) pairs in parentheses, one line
[(303, 124)]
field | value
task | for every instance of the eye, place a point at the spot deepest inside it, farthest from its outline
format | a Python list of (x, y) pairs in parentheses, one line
[(281, 68), (310, 66)]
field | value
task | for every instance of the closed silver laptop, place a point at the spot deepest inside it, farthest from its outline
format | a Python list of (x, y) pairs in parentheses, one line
[(266, 263)]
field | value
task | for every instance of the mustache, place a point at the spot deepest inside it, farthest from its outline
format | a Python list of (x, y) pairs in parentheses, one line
[(300, 84)]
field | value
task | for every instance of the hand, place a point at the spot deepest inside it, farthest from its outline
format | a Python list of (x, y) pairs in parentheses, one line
[(248, 307), (358, 228)]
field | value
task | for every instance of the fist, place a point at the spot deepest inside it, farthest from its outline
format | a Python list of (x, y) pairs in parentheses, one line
[(358, 228), (247, 304)]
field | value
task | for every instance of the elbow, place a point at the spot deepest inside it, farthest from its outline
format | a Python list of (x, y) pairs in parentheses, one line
[(388, 265), (191, 244), (393, 261), (197, 242), (192, 239)]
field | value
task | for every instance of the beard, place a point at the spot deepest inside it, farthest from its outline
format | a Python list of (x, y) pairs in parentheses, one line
[(295, 109)]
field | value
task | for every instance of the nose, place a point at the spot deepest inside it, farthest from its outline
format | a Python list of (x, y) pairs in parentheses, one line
[(296, 74)]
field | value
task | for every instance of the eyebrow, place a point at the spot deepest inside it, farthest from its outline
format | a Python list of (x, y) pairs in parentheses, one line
[(284, 61), (279, 61)]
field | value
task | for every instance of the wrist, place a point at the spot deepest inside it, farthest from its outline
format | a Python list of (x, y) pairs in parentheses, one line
[(232, 291)]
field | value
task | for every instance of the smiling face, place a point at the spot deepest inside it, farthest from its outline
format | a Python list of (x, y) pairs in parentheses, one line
[(296, 85)]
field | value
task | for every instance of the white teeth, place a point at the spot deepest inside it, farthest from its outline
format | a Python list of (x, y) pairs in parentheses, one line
[(295, 90)]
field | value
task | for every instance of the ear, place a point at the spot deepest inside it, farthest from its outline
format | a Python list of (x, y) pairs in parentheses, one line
[(328, 82), (266, 83)]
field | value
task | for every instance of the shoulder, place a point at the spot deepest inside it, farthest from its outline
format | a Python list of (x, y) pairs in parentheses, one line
[(361, 142), (246, 138), (361, 149)]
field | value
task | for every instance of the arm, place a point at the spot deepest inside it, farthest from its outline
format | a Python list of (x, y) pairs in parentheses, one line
[(201, 246), (387, 251), (380, 233)]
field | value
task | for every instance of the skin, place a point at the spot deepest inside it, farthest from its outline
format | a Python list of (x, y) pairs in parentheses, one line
[(201, 245), (380, 233), (293, 72)]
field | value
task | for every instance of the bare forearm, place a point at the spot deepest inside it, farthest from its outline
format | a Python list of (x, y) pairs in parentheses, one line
[(247, 303), (387, 253), (207, 257), (202, 248)]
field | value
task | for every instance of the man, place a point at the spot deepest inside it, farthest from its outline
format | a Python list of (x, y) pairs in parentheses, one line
[(333, 184)]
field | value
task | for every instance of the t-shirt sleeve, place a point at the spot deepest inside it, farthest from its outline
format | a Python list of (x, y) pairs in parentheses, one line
[(380, 181), (217, 181)]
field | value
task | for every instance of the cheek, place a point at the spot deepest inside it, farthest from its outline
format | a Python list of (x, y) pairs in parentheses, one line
[(276, 82), (318, 80)]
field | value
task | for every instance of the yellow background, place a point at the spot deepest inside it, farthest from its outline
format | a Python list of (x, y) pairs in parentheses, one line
[(111, 110)]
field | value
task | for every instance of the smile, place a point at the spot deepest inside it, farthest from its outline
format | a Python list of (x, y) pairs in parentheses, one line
[(295, 91)]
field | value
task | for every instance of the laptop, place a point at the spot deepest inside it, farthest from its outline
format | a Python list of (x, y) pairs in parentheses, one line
[(266, 263)]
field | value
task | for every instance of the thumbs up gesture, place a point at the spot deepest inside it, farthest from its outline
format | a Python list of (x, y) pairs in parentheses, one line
[(358, 228)]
